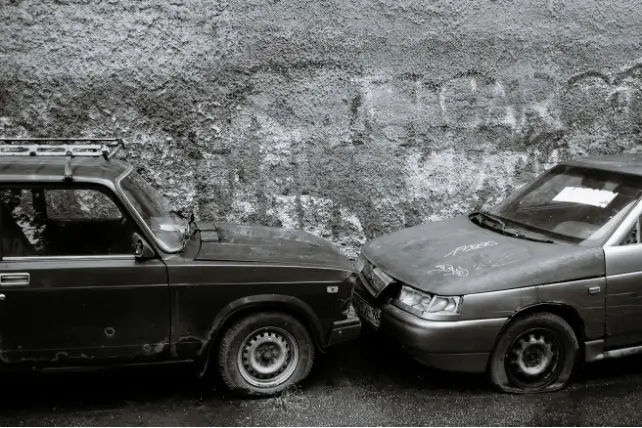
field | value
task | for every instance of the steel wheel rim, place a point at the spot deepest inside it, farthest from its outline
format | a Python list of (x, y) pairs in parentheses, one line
[(534, 359), (268, 357)]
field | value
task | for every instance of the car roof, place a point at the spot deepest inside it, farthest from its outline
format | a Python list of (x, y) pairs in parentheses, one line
[(52, 168), (623, 163)]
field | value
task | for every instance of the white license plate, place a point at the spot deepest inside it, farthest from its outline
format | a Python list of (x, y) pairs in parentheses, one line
[(367, 312)]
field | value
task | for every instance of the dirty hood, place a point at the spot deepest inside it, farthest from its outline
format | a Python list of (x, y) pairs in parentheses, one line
[(457, 256), (245, 243)]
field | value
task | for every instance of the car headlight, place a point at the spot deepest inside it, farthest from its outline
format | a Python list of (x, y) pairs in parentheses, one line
[(427, 305)]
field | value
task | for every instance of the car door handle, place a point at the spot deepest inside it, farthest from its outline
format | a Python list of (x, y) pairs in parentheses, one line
[(594, 290), (14, 279)]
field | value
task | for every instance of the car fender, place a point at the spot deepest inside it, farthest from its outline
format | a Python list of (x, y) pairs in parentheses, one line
[(273, 301), (569, 299), (560, 308)]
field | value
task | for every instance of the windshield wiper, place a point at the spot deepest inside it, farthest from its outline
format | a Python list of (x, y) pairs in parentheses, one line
[(531, 236), (195, 228), (521, 234), (488, 216), (189, 221)]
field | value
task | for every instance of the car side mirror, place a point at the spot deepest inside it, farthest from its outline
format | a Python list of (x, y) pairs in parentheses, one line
[(142, 250)]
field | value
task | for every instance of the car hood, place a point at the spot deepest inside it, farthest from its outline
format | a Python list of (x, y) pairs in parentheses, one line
[(249, 243), (457, 257)]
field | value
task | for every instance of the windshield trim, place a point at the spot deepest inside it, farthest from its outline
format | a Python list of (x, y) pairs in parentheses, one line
[(140, 220)]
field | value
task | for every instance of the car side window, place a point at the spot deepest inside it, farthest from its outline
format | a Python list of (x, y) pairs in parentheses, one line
[(632, 236), (22, 227), (63, 222), (80, 204)]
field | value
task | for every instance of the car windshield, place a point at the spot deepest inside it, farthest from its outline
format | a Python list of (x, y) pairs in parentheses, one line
[(168, 228), (574, 204)]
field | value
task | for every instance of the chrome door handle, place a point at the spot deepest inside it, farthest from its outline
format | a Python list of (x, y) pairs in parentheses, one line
[(594, 290), (14, 279)]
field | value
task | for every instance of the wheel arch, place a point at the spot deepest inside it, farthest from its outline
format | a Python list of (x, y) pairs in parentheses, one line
[(567, 312), (251, 304)]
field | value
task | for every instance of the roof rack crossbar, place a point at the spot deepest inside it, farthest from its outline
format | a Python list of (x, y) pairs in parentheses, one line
[(68, 173), (97, 147), (61, 139), (105, 147), (91, 150)]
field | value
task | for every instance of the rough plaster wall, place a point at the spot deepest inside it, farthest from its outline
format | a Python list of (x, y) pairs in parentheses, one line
[(346, 118)]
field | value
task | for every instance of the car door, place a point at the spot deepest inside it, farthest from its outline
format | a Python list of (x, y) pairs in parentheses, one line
[(71, 290), (624, 286)]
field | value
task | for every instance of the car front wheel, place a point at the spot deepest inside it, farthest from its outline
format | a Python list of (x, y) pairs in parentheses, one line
[(264, 353), (535, 353)]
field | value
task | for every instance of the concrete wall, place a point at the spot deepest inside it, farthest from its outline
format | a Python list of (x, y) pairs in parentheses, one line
[(346, 118)]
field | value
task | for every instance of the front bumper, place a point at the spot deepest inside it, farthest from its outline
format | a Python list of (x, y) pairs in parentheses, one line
[(448, 345), (344, 331)]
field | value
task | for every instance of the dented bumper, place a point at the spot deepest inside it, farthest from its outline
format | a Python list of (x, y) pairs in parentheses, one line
[(448, 345), (344, 331)]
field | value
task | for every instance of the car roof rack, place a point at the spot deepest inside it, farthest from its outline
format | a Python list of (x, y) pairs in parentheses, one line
[(68, 147)]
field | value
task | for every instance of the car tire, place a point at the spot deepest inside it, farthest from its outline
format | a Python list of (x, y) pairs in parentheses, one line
[(535, 353), (264, 353)]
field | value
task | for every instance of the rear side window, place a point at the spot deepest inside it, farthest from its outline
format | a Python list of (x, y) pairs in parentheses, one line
[(22, 227)]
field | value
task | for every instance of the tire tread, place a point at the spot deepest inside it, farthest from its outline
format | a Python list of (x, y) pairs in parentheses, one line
[(234, 381), (495, 367)]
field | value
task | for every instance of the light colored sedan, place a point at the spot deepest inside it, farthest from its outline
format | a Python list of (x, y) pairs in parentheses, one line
[(525, 291)]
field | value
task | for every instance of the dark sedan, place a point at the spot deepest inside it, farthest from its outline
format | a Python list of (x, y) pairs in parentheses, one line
[(96, 270)]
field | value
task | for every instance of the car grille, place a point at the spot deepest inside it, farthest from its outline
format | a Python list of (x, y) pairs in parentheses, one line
[(366, 284), (370, 280)]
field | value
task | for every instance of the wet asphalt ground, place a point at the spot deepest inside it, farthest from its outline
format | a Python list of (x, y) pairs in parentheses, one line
[(363, 383)]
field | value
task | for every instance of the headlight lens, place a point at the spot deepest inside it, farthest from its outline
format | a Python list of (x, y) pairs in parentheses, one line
[(427, 305), (414, 298), (449, 305)]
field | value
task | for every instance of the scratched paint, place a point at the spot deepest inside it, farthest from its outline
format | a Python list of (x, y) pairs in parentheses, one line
[(449, 270), (499, 261), (473, 247)]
